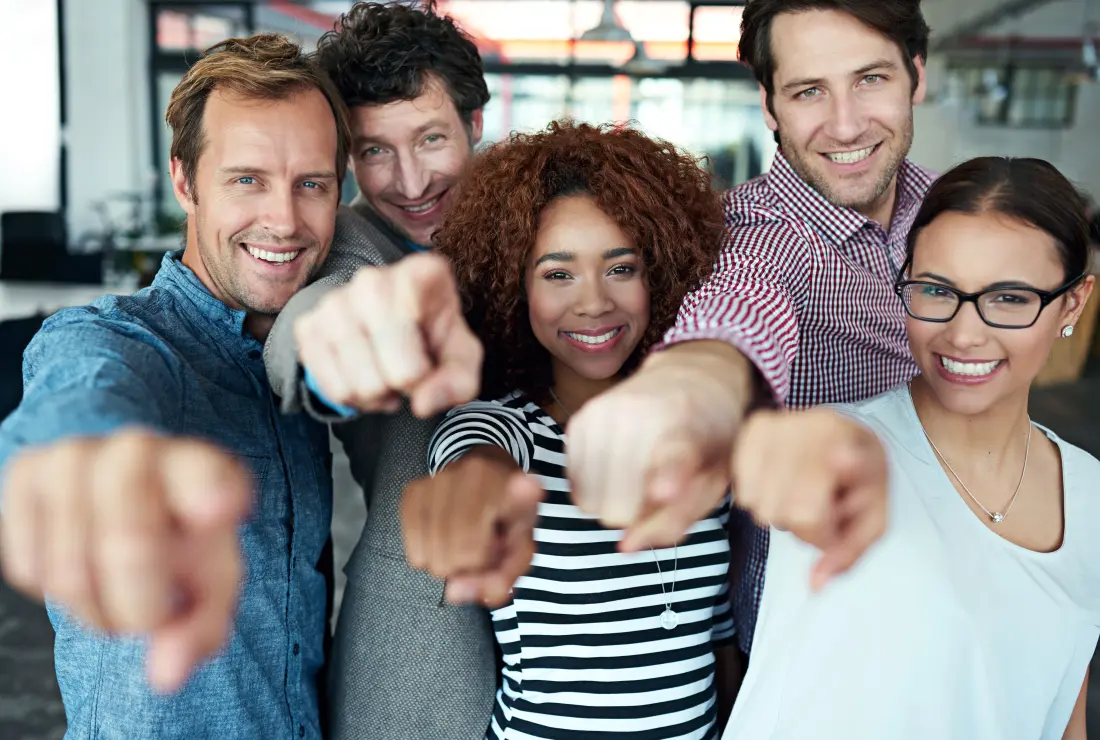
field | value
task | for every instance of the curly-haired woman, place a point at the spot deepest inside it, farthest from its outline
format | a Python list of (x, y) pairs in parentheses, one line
[(574, 248)]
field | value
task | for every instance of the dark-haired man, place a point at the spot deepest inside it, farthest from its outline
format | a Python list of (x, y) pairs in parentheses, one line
[(800, 310), (405, 664)]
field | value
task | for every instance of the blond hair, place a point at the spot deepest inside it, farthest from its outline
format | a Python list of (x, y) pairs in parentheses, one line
[(266, 66)]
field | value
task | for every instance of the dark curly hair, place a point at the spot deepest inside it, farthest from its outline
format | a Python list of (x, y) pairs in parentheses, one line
[(658, 195), (381, 53)]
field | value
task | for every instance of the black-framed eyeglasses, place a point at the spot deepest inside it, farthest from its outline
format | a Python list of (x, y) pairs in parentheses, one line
[(1001, 308)]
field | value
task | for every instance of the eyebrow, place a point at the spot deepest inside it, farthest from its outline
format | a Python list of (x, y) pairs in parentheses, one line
[(319, 175), (817, 81), (361, 141), (570, 256), (999, 285)]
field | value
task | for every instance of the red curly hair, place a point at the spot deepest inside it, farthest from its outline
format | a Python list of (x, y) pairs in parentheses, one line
[(658, 195)]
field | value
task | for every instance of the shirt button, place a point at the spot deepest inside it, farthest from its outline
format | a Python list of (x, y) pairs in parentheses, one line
[(301, 730), (297, 648), (255, 354)]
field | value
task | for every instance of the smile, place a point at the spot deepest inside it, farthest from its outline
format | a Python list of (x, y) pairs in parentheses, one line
[(423, 207), (594, 340), (851, 157), (272, 257), (969, 369)]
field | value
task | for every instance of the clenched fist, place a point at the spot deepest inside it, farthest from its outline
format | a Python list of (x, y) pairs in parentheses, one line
[(393, 331), (133, 533), (651, 455), (818, 474), (473, 524)]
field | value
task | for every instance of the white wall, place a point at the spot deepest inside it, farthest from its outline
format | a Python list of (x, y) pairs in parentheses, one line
[(945, 137), (30, 132), (107, 97)]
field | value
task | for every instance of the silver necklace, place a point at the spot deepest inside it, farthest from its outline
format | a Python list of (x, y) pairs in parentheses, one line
[(669, 618), (995, 516), (561, 405)]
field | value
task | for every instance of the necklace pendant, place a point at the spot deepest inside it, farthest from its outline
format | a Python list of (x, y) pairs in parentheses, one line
[(997, 517), (669, 618)]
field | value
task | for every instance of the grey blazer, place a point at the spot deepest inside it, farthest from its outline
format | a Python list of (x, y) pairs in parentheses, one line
[(405, 665)]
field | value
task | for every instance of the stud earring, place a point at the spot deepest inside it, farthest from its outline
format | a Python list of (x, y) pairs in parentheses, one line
[(1067, 331)]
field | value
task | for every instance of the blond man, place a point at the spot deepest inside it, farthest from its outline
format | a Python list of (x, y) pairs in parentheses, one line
[(148, 478)]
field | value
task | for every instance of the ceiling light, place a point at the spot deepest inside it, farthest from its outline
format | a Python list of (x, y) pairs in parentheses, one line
[(608, 29), (643, 64)]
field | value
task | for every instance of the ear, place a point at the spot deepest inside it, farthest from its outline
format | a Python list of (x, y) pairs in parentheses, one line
[(477, 126), (1075, 302), (180, 187), (769, 119), (921, 89)]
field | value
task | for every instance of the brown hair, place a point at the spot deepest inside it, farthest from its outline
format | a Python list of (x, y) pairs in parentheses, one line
[(381, 53), (901, 21), (1029, 190), (658, 195), (266, 66)]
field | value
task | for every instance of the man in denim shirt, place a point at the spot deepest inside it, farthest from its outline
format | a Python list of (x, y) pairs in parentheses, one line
[(125, 464)]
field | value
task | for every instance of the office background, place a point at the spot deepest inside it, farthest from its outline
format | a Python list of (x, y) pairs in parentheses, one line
[(86, 207)]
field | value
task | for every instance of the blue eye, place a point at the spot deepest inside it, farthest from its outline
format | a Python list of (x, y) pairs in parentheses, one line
[(311, 184), (246, 180)]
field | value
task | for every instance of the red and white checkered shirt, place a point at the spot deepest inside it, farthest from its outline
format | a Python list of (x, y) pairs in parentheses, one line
[(805, 289)]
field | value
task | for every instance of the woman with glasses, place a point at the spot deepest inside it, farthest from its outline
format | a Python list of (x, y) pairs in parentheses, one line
[(977, 613)]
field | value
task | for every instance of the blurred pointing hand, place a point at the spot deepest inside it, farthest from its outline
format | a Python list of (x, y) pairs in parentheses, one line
[(133, 533), (393, 331)]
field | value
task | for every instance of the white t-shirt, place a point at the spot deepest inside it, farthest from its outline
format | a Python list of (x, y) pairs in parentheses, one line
[(943, 630)]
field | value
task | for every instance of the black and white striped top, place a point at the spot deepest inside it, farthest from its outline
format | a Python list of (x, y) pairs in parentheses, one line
[(585, 653)]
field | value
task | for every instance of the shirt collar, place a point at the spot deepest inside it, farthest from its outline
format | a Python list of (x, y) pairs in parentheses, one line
[(199, 303), (837, 223), (913, 185)]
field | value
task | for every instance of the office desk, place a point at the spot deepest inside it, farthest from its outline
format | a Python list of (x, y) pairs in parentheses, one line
[(21, 300)]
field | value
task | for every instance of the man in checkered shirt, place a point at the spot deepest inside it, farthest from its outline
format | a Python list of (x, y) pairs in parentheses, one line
[(800, 309)]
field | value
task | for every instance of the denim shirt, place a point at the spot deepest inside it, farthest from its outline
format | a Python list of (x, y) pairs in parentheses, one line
[(174, 359)]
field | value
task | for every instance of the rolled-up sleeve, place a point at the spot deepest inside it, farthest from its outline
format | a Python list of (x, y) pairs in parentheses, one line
[(751, 299)]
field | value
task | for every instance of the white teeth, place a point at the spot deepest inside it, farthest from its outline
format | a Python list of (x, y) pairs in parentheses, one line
[(421, 208), (850, 157), (972, 369), (587, 339), (276, 257)]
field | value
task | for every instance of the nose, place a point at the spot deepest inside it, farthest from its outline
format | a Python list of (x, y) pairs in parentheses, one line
[(847, 121), (280, 216), (967, 330), (594, 299), (412, 176)]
